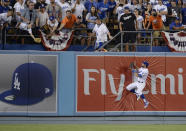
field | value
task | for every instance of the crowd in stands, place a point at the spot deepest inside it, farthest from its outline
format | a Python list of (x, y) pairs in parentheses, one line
[(146, 14)]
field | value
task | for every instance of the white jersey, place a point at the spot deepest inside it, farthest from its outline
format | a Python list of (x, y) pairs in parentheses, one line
[(78, 9), (55, 24), (24, 26), (64, 7), (140, 22), (4, 18), (143, 72), (18, 9), (101, 32), (160, 8), (119, 12)]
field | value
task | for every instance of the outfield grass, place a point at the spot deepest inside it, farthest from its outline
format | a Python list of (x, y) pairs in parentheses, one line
[(81, 127)]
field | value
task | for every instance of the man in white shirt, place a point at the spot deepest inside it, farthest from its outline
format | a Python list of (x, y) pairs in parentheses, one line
[(18, 7), (78, 8), (101, 32), (119, 9), (162, 9), (6, 17), (64, 7)]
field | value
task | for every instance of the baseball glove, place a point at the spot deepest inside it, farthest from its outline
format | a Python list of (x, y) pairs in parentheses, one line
[(37, 40)]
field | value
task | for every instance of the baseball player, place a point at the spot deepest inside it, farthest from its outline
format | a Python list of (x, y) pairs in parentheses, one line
[(138, 86)]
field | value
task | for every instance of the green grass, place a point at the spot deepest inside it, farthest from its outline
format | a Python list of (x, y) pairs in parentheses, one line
[(81, 127)]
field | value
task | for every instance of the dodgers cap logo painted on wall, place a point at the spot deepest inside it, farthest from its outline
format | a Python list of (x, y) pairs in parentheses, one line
[(31, 83)]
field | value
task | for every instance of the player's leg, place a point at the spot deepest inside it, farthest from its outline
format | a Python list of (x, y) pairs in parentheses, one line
[(130, 88), (146, 103), (140, 87)]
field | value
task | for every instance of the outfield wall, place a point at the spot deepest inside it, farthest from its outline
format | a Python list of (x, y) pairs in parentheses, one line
[(88, 84)]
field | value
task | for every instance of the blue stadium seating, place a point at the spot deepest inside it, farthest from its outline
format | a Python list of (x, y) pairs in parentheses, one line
[(154, 49)]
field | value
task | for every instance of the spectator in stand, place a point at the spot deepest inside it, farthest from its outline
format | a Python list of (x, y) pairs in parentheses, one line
[(5, 20), (42, 16), (153, 3), (29, 15), (157, 24), (135, 5), (53, 9), (52, 24), (64, 7), (162, 9), (80, 34), (78, 8), (128, 23), (81, 1), (91, 20), (140, 22), (126, 4), (167, 3), (103, 8), (147, 20), (147, 9), (112, 5), (68, 22), (18, 7), (101, 32), (173, 12), (145, 25), (5, 6), (28, 21), (89, 4), (39, 4), (119, 9), (179, 4), (183, 14), (177, 25)]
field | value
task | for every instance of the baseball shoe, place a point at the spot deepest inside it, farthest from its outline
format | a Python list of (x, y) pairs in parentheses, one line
[(146, 104), (138, 97)]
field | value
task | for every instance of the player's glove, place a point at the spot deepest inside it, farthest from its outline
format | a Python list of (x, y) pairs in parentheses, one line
[(37, 40)]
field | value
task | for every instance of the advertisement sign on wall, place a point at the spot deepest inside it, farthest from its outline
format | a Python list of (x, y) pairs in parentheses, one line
[(100, 79), (28, 83)]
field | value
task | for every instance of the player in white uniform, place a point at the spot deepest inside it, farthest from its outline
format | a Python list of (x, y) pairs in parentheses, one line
[(138, 86)]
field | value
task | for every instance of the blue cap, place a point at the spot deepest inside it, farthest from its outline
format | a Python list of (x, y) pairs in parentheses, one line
[(31, 83), (6, 0), (146, 63), (126, 8), (42, 6), (51, 18)]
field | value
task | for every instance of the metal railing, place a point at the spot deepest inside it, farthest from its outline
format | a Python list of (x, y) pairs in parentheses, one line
[(119, 45)]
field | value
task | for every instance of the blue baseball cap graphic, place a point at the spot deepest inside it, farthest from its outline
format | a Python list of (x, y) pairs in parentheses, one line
[(31, 83)]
